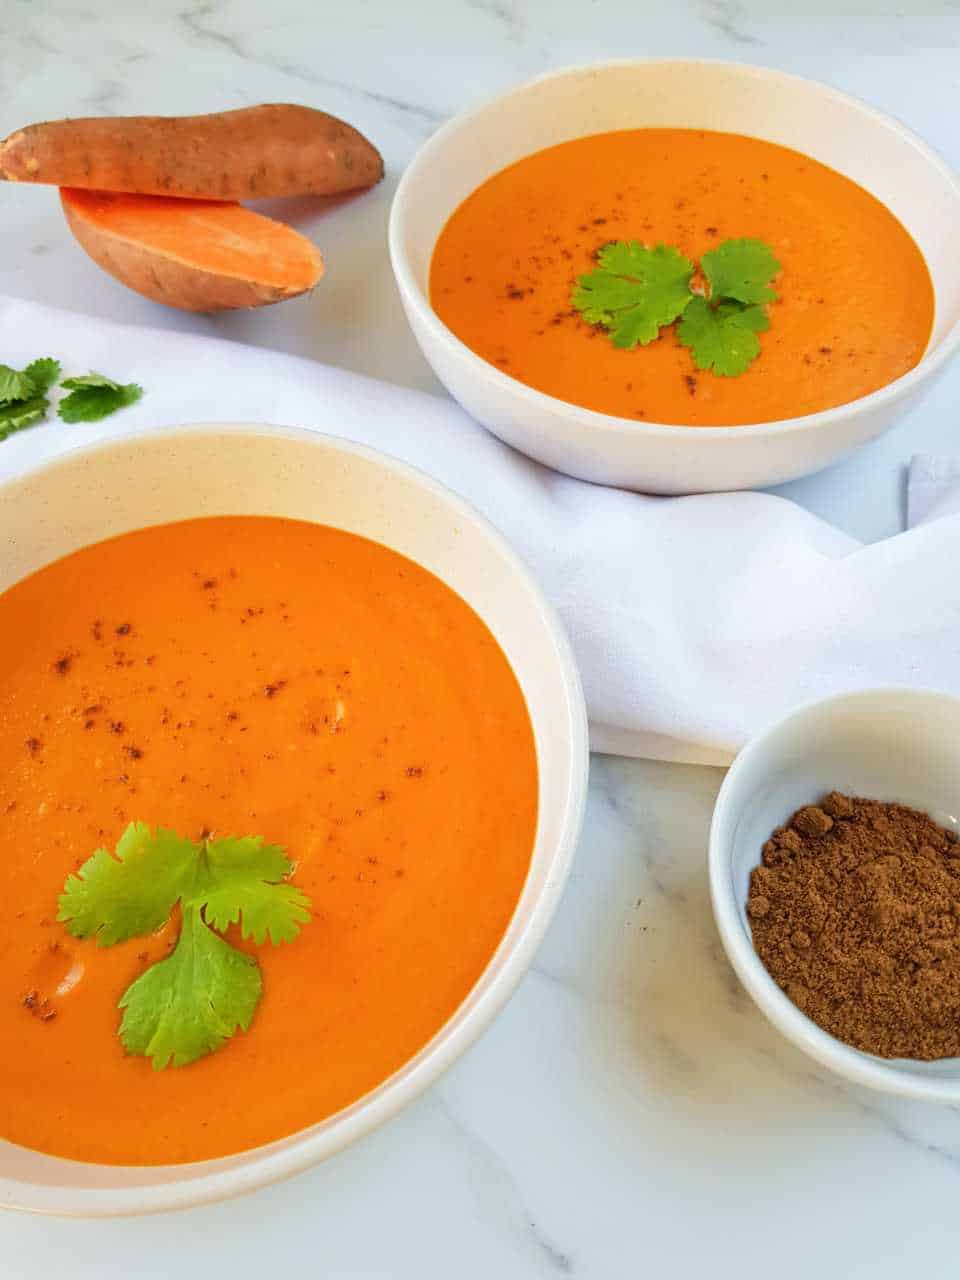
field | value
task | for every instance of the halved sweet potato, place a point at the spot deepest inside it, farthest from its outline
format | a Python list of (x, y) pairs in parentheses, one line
[(198, 255)]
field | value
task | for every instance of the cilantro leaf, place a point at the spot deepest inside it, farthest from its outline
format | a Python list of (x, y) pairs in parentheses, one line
[(240, 883), (722, 338), (82, 381), (634, 291), (20, 414), (94, 396), (23, 400), (189, 1004), (742, 270), (115, 898), (15, 385), (43, 373), (754, 318)]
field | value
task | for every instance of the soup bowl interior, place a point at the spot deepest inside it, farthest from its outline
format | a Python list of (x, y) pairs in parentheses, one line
[(134, 481), (837, 130), (893, 745)]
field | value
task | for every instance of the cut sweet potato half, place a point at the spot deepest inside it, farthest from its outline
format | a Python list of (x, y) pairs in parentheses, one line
[(198, 255)]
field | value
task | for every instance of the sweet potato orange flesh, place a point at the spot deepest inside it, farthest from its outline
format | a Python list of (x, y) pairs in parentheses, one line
[(198, 255), (255, 152)]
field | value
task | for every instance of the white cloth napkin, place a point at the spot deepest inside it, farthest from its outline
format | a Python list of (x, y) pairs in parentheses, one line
[(695, 621)]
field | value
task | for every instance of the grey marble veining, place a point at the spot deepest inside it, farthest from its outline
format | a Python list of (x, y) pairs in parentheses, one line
[(630, 1111)]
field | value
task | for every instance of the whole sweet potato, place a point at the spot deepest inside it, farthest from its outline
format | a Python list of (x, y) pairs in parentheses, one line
[(254, 152)]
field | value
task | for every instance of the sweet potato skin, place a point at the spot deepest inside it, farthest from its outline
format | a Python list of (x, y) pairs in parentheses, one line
[(255, 152), (165, 280)]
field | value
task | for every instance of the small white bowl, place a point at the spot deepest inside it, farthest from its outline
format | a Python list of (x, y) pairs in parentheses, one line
[(873, 150), (894, 744), (153, 478)]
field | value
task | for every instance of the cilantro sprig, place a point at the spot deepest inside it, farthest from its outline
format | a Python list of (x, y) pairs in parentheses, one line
[(636, 291), (190, 1003), (94, 396), (25, 396)]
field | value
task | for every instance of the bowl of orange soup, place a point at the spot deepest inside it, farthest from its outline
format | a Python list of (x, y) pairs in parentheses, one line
[(579, 262), (265, 633)]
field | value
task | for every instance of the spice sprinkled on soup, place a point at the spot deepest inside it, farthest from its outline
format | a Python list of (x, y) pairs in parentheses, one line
[(307, 689), (525, 267)]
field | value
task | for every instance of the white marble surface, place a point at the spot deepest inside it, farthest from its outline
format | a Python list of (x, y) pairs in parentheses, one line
[(630, 1111)]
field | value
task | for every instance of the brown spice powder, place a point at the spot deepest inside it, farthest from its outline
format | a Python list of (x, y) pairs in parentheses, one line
[(855, 913)]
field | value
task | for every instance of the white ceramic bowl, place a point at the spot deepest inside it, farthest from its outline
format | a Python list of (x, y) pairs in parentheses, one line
[(892, 744), (145, 479), (838, 130)]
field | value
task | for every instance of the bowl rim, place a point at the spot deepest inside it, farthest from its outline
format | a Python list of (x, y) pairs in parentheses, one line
[(854, 1064), (257, 1167), (889, 394)]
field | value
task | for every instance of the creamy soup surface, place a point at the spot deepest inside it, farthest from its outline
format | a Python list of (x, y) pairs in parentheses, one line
[(251, 676), (855, 307)]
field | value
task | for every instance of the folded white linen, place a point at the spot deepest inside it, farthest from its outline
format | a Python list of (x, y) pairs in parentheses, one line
[(695, 621)]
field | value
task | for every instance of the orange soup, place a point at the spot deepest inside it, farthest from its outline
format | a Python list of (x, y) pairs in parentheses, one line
[(251, 676), (855, 306)]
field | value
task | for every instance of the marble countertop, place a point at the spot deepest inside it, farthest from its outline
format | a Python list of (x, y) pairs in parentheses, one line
[(630, 1110)]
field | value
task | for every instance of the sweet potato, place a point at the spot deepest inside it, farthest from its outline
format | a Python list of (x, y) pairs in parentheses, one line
[(198, 255), (255, 152)]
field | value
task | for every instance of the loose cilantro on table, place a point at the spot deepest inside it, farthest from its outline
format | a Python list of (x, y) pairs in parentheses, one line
[(635, 291), (15, 385), (43, 373), (23, 395), (93, 397), (17, 415), (190, 1003)]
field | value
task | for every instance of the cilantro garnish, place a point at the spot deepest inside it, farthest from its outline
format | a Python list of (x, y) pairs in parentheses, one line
[(740, 270), (722, 338), (93, 397), (635, 291), (243, 880), (188, 1004)]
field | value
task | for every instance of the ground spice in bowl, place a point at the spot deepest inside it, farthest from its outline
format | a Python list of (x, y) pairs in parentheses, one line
[(855, 912)]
